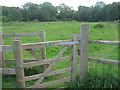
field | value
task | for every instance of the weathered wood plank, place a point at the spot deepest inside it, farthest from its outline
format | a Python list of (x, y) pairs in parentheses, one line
[(33, 77), (1, 51), (104, 42), (9, 48), (18, 55), (52, 83), (45, 61), (36, 46), (2, 62), (0, 56), (13, 61), (74, 58), (7, 71), (84, 52), (45, 44), (43, 39), (22, 35), (48, 61), (34, 54), (50, 67), (104, 61)]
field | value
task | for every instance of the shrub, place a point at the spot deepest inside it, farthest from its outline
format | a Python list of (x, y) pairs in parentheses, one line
[(99, 26), (4, 19)]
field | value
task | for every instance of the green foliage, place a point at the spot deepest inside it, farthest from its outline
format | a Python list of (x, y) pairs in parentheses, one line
[(42, 12), (47, 12), (99, 26), (12, 13), (99, 12), (4, 19), (65, 12), (34, 70)]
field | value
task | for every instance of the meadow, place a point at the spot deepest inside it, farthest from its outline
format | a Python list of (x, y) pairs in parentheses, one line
[(63, 31)]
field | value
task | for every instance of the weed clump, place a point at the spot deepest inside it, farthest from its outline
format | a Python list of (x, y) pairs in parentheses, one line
[(98, 26)]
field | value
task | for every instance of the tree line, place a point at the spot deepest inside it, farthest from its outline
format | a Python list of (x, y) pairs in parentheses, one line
[(47, 12)]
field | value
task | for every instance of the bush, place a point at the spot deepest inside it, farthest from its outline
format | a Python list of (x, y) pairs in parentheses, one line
[(4, 19), (99, 26)]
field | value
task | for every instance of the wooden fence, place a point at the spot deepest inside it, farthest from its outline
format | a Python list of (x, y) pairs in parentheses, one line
[(18, 49), (10, 48)]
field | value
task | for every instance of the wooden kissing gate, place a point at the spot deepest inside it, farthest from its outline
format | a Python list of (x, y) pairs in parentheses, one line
[(18, 49)]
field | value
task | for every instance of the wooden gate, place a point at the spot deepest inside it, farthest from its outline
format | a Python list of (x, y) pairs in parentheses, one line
[(20, 65)]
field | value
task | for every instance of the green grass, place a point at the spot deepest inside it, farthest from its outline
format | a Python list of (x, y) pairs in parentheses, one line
[(95, 81), (63, 31)]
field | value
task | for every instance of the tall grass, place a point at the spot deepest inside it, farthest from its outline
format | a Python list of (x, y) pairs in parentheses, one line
[(95, 81)]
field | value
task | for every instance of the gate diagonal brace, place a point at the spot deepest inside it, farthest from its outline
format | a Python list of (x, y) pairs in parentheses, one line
[(50, 67), (67, 43)]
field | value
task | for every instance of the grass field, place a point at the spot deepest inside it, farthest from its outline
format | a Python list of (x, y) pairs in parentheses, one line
[(63, 31)]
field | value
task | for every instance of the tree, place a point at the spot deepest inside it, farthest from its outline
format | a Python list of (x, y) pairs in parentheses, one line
[(48, 12), (83, 13), (12, 13), (42, 12), (28, 10), (65, 12), (30, 6), (112, 12)]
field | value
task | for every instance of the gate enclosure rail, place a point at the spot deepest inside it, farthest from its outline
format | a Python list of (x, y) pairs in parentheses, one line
[(18, 49)]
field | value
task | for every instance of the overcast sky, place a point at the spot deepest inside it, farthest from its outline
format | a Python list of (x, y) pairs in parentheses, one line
[(71, 3)]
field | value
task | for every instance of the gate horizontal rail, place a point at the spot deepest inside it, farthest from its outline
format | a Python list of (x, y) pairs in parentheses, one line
[(22, 35), (38, 46), (33, 77), (104, 61)]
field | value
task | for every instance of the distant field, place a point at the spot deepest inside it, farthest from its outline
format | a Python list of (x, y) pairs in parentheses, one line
[(63, 31)]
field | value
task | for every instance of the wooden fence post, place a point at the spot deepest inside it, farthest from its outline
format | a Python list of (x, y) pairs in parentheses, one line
[(43, 39), (2, 62), (19, 62), (74, 58), (0, 49), (0, 59), (84, 52)]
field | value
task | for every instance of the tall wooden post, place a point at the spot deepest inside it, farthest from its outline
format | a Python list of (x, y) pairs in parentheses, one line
[(84, 52), (18, 55), (43, 39), (2, 61), (74, 58)]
